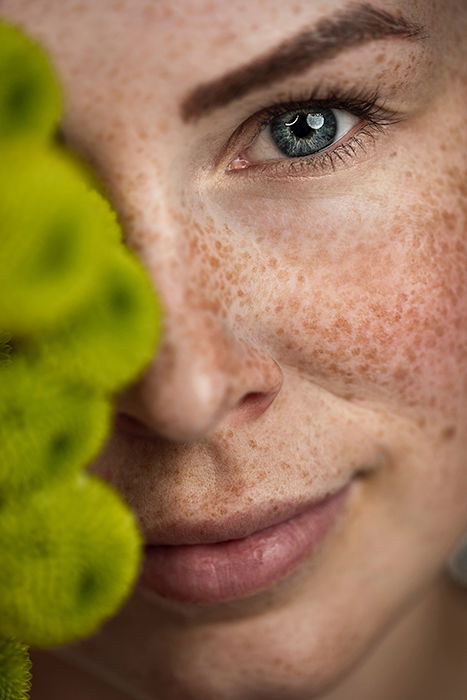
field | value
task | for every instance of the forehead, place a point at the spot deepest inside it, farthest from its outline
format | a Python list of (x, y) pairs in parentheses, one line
[(185, 42)]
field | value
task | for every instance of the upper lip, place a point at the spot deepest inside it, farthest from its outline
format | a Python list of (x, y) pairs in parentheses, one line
[(234, 526)]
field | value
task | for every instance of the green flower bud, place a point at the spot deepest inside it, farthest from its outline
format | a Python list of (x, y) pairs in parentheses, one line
[(112, 337), (48, 430), (54, 233), (30, 99), (69, 556)]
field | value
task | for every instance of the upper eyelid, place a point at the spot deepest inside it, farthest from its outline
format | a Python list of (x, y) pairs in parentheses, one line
[(333, 99)]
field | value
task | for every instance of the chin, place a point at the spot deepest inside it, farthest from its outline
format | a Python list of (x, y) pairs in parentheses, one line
[(272, 648)]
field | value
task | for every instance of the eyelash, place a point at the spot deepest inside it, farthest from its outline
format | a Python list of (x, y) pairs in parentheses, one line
[(369, 107)]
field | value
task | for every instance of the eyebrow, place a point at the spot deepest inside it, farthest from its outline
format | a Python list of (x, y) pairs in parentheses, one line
[(351, 27)]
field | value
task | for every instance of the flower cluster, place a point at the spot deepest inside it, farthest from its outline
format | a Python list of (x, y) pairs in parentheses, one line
[(78, 320)]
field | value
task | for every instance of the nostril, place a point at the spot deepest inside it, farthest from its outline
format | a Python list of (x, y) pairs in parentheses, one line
[(254, 404), (253, 397), (128, 424)]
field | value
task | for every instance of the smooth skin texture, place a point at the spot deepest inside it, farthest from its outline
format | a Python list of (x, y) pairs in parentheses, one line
[(315, 325)]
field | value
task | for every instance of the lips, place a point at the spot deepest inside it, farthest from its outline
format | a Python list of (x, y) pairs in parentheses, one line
[(235, 526), (215, 563)]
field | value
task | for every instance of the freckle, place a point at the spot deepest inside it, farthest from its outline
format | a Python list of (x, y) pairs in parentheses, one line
[(343, 325), (401, 373), (448, 433)]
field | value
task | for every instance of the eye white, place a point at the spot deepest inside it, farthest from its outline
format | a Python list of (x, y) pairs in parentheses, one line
[(345, 122)]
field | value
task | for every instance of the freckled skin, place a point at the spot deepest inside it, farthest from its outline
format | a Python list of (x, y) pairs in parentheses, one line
[(313, 326)]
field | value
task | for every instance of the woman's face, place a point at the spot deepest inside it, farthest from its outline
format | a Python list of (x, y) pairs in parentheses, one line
[(315, 309)]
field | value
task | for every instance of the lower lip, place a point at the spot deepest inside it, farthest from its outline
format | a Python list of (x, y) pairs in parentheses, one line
[(235, 569)]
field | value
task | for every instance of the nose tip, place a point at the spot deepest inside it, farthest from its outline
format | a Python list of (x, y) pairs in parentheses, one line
[(197, 384)]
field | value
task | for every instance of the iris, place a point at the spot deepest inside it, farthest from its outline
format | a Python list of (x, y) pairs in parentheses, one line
[(303, 132)]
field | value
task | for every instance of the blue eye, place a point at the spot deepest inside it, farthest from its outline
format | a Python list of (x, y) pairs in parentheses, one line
[(296, 133), (304, 132), (309, 135)]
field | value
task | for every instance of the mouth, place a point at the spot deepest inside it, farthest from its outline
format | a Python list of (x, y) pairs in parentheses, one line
[(244, 563)]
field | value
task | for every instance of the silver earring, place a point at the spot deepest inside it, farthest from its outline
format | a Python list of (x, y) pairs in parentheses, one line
[(457, 562)]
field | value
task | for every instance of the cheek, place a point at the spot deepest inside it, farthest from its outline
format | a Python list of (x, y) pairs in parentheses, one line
[(374, 307)]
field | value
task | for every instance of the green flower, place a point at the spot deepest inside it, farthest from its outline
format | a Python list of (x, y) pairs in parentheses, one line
[(48, 429), (54, 233), (112, 337), (70, 554), (30, 100)]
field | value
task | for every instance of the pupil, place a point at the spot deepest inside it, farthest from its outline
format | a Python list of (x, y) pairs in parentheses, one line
[(301, 128)]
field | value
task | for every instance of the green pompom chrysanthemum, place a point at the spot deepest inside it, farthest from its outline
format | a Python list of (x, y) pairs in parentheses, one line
[(112, 337), (53, 236), (70, 555), (15, 670), (30, 100), (48, 430)]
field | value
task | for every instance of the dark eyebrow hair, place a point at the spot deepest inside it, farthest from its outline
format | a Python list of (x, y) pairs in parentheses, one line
[(351, 27)]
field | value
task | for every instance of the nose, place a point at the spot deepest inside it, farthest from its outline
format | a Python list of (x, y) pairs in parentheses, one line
[(201, 378), (204, 374)]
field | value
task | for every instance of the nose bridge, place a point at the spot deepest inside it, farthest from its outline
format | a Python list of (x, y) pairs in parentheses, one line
[(204, 372)]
